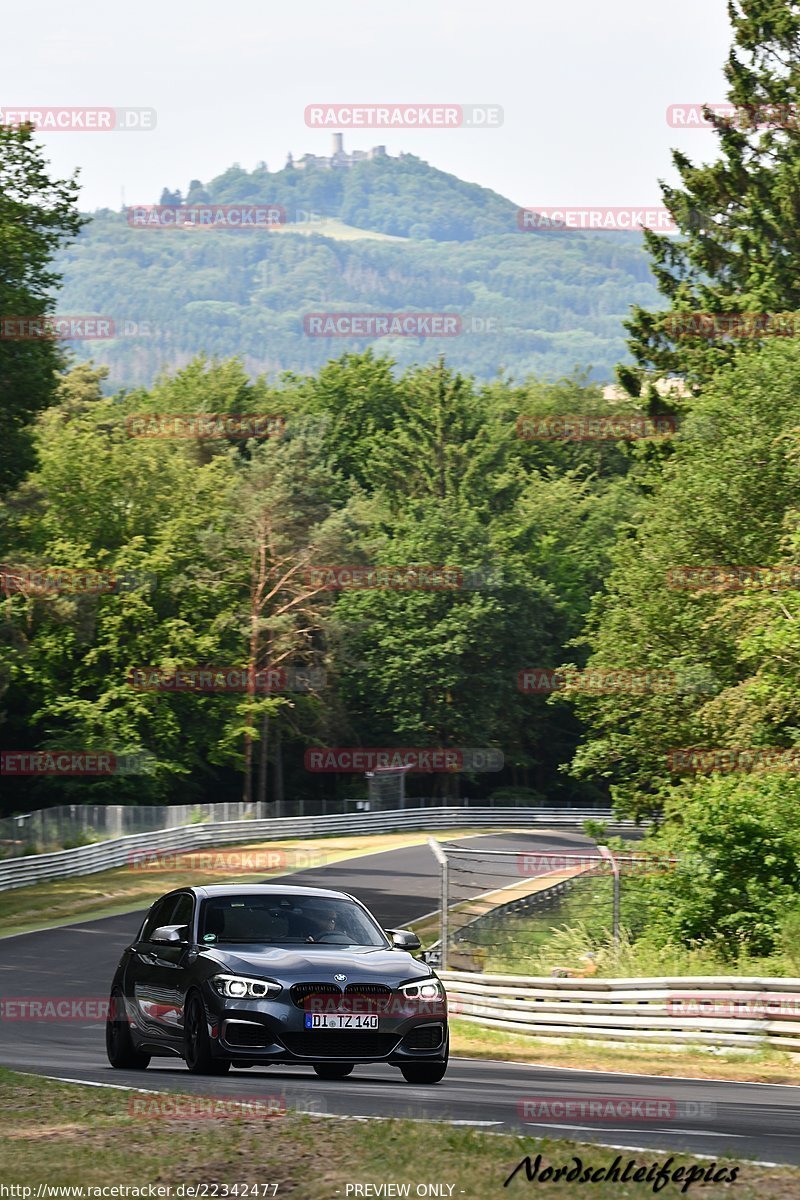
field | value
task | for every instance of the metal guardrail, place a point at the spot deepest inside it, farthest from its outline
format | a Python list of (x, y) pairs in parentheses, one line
[(120, 852), (56, 826), (716, 1011)]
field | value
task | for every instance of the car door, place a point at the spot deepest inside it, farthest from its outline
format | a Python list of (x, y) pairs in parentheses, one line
[(159, 976)]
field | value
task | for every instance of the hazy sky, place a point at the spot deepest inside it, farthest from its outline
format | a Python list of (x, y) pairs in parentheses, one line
[(584, 86)]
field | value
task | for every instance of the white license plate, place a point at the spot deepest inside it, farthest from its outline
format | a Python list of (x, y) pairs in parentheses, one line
[(341, 1021)]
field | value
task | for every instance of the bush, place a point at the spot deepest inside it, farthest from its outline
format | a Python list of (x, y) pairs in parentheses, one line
[(738, 838), (789, 940)]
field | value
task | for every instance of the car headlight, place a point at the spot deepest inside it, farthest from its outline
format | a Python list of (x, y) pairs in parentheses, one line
[(423, 989), (239, 987)]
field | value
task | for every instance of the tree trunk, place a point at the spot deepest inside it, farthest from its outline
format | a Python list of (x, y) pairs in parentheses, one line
[(278, 776), (263, 762)]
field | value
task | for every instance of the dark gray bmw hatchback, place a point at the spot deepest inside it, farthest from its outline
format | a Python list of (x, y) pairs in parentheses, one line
[(250, 975)]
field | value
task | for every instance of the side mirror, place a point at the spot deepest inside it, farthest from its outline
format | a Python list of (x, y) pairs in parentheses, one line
[(404, 939), (170, 933)]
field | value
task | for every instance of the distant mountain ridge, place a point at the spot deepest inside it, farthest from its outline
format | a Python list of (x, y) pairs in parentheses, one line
[(542, 303)]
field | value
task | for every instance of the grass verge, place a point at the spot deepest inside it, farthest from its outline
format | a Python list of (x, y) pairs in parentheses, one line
[(67, 1135), (766, 1066)]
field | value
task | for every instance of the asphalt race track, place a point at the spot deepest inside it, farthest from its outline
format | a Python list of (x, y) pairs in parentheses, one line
[(758, 1121)]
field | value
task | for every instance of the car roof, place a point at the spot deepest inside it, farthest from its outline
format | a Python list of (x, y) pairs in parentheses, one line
[(207, 891)]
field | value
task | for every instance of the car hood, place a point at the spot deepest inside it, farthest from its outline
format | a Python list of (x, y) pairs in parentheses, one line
[(296, 965)]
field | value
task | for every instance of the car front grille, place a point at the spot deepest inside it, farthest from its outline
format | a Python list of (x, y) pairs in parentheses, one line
[(378, 994), (301, 991), (340, 1043)]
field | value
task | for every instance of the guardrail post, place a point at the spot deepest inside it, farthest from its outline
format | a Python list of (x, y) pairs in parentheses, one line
[(444, 933), (606, 853)]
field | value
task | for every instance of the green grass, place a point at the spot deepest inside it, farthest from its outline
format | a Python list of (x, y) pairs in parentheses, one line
[(67, 1135), (761, 1066), (580, 922)]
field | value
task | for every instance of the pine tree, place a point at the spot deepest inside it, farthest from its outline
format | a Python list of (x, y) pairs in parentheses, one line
[(37, 216), (739, 217)]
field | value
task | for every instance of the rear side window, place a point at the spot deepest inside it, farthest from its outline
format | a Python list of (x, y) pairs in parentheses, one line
[(182, 912), (153, 920), (171, 910)]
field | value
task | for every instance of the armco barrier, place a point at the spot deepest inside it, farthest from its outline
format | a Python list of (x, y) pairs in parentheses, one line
[(725, 1011), (65, 824), (103, 856)]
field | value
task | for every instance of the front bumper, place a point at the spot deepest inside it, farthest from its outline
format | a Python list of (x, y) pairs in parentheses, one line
[(273, 1030)]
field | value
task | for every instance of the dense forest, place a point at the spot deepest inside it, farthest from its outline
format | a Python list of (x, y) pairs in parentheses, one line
[(424, 469)]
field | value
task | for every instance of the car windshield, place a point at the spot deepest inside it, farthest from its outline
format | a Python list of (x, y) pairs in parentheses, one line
[(286, 921)]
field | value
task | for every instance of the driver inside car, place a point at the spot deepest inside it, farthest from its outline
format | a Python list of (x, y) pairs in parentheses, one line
[(321, 922)]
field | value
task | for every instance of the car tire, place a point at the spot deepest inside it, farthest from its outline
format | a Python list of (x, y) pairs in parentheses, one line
[(427, 1072), (333, 1070), (197, 1043), (120, 1049), (423, 1072)]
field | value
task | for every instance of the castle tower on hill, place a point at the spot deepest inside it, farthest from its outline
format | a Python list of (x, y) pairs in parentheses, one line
[(339, 158)]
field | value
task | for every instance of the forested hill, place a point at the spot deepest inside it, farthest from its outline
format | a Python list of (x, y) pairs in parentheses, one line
[(402, 196), (387, 235)]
